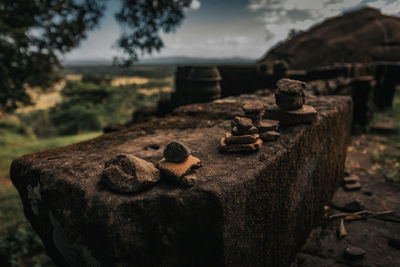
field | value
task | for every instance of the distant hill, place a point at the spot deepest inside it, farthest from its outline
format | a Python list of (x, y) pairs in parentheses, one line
[(168, 61), (358, 36)]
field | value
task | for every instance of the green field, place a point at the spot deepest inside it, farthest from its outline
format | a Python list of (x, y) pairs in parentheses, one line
[(86, 107)]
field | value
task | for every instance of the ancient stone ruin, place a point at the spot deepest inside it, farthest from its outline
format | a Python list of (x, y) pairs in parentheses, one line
[(102, 203)]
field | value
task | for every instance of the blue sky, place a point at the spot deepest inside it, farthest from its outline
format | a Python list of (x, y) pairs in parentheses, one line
[(227, 28)]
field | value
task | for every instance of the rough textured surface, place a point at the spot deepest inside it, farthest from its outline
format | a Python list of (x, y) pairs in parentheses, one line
[(129, 174), (241, 139), (305, 114), (245, 210), (290, 94), (179, 169), (176, 152), (267, 125), (247, 147), (269, 136), (243, 124)]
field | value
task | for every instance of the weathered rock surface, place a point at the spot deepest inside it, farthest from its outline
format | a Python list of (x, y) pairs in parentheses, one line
[(237, 147), (177, 170), (354, 252), (267, 125), (237, 132), (305, 114), (245, 210), (290, 94), (241, 139), (269, 136), (129, 174), (176, 152), (242, 124)]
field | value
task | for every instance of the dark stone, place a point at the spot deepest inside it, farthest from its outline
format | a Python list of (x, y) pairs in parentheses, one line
[(254, 209), (305, 114), (269, 136), (351, 179), (252, 130), (129, 174), (362, 91), (352, 206), (241, 139), (253, 108), (224, 147), (290, 94), (243, 124), (394, 242), (267, 125), (354, 253), (176, 152), (384, 128), (352, 187), (178, 170)]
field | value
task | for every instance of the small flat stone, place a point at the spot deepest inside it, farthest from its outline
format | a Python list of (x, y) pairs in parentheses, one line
[(269, 136), (267, 125), (177, 170), (253, 107), (351, 179), (306, 114), (224, 147), (176, 152), (129, 174), (352, 252), (237, 132), (383, 128), (352, 187), (242, 123), (241, 139), (349, 206), (188, 180)]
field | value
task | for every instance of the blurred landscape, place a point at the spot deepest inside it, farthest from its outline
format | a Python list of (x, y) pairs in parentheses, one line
[(77, 108)]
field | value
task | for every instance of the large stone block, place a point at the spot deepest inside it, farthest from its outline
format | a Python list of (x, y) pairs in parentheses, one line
[(245, 210)]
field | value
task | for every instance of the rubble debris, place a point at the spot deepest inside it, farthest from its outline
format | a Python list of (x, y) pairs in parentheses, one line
[(354, 253), (290, 94), (242, 123), (176, 152), (240, 147), (241, 139), (351, 206), (305, 114), (267, 125), (341, 231), (129, 174), (384, 128), (236, 131), (352, 187), (351, 179), (269, 136), (254, 111)]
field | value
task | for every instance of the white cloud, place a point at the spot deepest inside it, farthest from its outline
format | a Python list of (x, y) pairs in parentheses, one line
[(195, 5), (280, 16)]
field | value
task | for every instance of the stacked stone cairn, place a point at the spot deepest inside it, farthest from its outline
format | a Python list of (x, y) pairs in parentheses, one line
[(179, 164), (290, 108), (248, 132)]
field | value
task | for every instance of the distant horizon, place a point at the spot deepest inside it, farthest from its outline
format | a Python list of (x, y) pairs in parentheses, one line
[(226, 28)]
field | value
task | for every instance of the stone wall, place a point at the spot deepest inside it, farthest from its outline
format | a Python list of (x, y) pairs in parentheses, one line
[(245, 210)]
